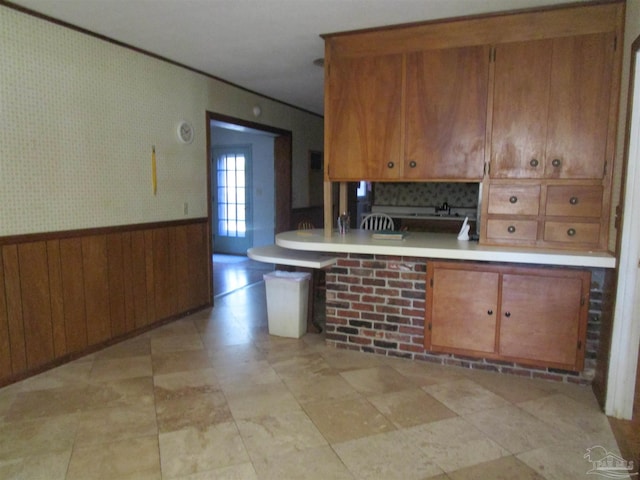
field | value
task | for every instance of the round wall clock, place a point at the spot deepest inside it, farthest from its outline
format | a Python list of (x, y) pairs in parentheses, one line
[(185, 132)]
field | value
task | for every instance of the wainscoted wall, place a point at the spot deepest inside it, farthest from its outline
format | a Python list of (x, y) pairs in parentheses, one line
[(66, 294), (376, 304), (426, 194)]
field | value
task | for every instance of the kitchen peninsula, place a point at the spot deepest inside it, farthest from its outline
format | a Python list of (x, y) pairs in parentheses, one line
[(432, 297)]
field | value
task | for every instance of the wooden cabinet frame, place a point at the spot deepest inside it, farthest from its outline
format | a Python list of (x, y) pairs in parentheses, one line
[(489, 311)]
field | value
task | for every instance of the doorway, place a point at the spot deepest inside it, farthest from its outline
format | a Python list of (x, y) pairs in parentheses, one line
[(231, 196)]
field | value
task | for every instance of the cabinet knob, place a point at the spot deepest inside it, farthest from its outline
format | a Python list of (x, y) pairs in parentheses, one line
[(511, 229), (412, 164), (573, 200), (513, 199), (507, 314), (556, 162), (390, 165), (534, 162), (489, 312), (571, 232)]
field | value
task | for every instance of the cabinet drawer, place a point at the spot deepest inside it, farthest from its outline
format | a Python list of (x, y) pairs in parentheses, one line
[(512, 229), (574, 201), (571, 232), (514, 199)]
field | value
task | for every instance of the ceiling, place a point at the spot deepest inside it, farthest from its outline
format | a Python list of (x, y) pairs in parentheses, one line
[(266, 46)]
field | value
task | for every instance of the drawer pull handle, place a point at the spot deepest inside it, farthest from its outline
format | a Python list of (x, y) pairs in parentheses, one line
[(507, 314), (412, 164), (556, 162), (534, 163), (511, 229), (390, 165), (573, 200), (513, 199), (489, 312), (571, 232)]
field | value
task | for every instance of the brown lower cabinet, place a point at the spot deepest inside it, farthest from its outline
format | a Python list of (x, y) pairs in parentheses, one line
[(529, 315)]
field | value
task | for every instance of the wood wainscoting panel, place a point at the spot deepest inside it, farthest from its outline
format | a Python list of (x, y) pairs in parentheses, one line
[(57, 299), (14, 307), (66, 294), (5, 346), (116, 283), (75, 315), (36, 303), (96, 288)]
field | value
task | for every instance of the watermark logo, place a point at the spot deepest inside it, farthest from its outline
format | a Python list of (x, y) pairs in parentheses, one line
[(607, 464)]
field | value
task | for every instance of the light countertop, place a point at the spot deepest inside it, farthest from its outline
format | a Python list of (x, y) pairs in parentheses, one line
[(437, 245)]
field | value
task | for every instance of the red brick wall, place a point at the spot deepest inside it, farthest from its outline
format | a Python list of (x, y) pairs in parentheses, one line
[(376, 304)]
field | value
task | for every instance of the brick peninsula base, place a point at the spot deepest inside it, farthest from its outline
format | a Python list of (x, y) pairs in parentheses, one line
[(376, 304)]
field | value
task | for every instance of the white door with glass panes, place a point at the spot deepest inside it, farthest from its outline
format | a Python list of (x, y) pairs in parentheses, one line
[(231, 197)]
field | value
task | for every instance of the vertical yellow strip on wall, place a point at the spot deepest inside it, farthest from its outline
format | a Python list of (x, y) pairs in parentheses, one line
[(154, 178)]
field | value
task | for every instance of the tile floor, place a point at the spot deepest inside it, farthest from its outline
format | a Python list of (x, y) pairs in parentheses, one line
[(213, 396)]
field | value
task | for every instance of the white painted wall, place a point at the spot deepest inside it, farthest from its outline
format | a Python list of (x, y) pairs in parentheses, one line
[(78, 119)]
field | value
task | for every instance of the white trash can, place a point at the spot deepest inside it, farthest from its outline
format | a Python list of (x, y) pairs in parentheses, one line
[(287, 297)]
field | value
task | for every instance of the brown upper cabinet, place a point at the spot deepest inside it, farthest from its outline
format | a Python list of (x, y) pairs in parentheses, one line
[(551, 100), (525, 102)]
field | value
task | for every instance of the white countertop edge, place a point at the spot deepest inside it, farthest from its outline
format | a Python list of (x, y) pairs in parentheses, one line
[(440, 246), (285, 256)]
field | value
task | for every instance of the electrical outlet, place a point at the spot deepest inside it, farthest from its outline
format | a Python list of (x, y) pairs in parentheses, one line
[(185, 207)]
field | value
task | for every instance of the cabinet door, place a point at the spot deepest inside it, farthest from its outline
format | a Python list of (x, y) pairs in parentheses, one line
[(363, 117), (541, 319), (463, 310), (580, 93), (520, 109), (446, 101)]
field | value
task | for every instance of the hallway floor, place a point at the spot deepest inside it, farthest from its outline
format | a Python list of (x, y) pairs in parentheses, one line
[(214, 396)]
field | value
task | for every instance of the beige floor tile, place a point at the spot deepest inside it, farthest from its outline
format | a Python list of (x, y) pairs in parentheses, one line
[(308, 365), (72, 375), (184, 326), (453, 444), (244, 471), (344, 360), (279, 434), (385, 456), (408, 408), (376, 380), (105, 425), (34, 437), (128, 392), (180, 384), (426, 373), (329, 386), (513, 388), (247, 401), (347, 419), (45, 403), (561, 462), (505, 468), (130, 459), (176, 343), (107, 370), (49, 466), (192, 450), (234, 354), (195, 410), (515, 429), (465, 396), (320, 463), (247, 373), (134, 347), (173, 362), (574, 419)]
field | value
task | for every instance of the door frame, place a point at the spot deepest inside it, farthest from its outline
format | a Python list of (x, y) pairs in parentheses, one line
[(623, 362), (283, 164)]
